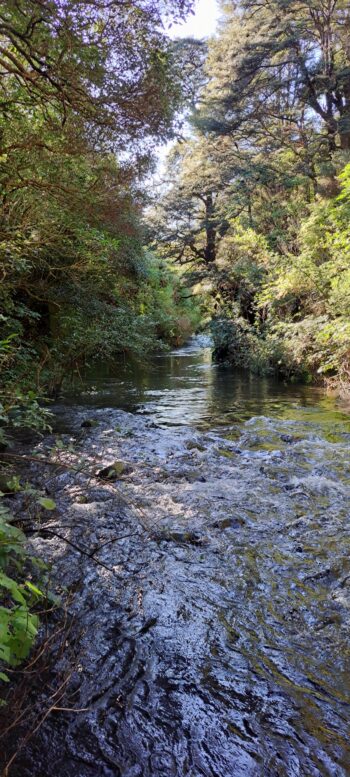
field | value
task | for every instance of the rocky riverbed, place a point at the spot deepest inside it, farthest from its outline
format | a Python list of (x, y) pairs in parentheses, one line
[(209, 580)]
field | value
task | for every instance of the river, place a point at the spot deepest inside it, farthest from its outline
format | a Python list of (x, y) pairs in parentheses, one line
[(215, 640)]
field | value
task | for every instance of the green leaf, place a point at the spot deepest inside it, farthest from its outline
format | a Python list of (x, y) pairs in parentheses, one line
[(12, 586), (33, 588), (4, 677), (48, 504)]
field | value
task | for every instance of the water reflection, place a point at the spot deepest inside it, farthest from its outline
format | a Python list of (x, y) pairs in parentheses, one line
[(184, 387)]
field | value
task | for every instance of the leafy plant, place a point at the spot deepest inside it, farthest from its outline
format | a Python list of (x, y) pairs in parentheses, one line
[(18, 596)]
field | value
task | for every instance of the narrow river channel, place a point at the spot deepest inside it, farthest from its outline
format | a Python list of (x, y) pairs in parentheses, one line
[(215, 641)]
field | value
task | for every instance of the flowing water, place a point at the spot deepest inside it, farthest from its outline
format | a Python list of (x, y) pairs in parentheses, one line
[(216, 638)]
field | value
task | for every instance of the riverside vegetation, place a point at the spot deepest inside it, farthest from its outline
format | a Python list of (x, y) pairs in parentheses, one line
[(250, 232), (257, 209), (87, 89)]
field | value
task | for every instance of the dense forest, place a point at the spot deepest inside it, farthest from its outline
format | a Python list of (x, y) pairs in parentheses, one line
[(87, 90), (246, 230), (256, 208), (253, 216)]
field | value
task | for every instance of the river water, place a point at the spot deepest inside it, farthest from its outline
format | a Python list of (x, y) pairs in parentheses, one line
[(215, 639), (185, 387)]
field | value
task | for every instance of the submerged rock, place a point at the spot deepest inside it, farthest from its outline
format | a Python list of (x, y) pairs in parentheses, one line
[(290, 438), (194, 445)]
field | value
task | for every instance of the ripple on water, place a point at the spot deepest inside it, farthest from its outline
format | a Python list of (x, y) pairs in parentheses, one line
[(221, 647)]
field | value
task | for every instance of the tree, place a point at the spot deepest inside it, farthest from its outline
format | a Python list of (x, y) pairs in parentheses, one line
[(285, 61), (252, 208), (81, 82), (190, 219)]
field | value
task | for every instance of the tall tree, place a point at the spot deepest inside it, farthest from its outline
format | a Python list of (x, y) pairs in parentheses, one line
[(286, 62), (190, 219), (87, 88)]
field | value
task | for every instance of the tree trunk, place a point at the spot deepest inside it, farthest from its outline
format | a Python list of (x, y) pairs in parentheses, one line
[(210, 247), (344, 123)]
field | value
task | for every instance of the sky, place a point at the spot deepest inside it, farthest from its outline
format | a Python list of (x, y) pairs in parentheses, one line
[(202, 24), (199, 25)]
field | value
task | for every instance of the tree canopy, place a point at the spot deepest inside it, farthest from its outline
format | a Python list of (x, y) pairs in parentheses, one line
[(255, 204), (88, 89)]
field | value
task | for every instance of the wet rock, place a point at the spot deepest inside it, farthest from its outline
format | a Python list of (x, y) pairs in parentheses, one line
[(114, 471), (290, 438), (89, 423), (229, 523), (192, 445), (183, 537), (96, 495), (195, 476)]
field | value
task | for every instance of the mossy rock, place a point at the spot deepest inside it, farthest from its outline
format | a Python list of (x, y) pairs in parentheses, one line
[(291, 438), (195, 476), (89, 423), (114, 471), (193, 445), (229, 523), (182, 537), (226, 452)]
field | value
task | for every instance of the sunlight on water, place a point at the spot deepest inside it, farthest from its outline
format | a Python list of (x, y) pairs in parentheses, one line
[(245, 578), (184, 387)]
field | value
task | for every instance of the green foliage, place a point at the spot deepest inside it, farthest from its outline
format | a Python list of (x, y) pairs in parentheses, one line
[(87, 89), (302, 302), (48, 504), (70, 235), (313, 290), (166, 303), (241, 344), (18, 596), (231, 340), (258, 205), (279, 72)]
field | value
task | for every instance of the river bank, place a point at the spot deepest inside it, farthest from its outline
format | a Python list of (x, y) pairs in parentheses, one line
[(209, 586)]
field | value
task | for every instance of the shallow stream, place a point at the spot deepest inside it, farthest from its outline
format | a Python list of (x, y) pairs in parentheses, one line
[(216, 638)]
